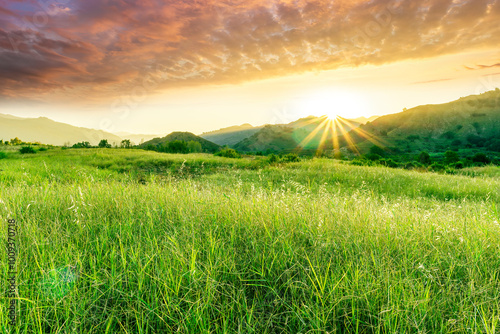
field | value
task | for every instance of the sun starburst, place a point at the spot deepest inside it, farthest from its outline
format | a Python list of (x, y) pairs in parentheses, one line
[(331, 129)]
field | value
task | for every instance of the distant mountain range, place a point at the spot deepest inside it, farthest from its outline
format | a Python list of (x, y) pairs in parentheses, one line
[(50, 132), (472, 121), (276, 137)]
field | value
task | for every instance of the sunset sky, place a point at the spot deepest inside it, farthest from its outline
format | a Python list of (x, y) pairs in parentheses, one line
[(198, 65)]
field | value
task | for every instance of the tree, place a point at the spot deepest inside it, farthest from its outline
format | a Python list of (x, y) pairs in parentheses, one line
[(194, 146), (83, 144), (377, 150), (126, 143), (451, 157), (494, 145), (16, 141), (481, 158), (104, 144), (448, 135), (424, 158), (177, 146)]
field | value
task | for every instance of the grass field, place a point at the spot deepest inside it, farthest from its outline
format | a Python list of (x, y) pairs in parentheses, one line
[(128, 241)]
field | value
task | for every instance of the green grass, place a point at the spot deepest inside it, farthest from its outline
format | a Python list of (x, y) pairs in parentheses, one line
[(126, 241)]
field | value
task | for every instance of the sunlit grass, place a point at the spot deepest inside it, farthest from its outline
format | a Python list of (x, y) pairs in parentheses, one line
[(125, 241)]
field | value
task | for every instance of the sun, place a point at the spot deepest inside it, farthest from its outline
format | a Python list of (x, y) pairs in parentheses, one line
[(333, 103)]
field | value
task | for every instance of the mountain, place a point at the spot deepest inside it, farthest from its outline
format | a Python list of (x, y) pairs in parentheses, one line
[(47, 131), (364, 120), (306, 133), (469, 122), (206, 146), (270, 137), (231, 135)]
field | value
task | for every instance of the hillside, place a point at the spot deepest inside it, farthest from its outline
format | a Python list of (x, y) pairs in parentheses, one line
[(47, 131), (232, 135), (472, 121), (364, 120), (206, 145), (295, 135)]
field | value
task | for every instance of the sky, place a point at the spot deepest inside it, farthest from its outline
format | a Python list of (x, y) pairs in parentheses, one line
[(198, 65)]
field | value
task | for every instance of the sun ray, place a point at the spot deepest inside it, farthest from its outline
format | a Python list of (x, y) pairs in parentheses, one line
[(306, 140), (335, 138), (313, 120), (364, 134), (348, 138), (325, 135)]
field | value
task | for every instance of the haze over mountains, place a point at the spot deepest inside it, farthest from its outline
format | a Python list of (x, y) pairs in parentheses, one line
[(472, 121), (50, 132)]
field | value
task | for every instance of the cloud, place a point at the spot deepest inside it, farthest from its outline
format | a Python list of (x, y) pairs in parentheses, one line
[(430, 81), (100, 49), (482, 67)]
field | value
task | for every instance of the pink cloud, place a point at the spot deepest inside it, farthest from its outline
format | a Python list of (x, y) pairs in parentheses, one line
[(109, 46)]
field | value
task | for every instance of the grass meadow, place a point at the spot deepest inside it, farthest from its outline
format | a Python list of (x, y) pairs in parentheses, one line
[(129, 241)]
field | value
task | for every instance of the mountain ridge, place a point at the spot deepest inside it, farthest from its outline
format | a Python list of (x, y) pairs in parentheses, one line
[(206, 145)]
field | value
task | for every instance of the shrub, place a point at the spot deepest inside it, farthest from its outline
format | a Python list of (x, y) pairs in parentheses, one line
[(42, 149), (451, 157), (481, 158), (424, 158), (372, 156), (273, 158), (437, 167), (3, 155), (27, 150), (391, 163), (458, 165), (377, 150), (358, 162), (291, 157), (450, 171), (228, 153), (448, 135), (410, 165)]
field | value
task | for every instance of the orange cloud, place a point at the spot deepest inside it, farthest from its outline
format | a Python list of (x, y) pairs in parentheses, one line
[(102, 48)]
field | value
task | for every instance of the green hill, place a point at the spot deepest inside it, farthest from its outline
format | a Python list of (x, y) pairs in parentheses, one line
[(296, 135), (470, 122), (207, 146), (232, 135)]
